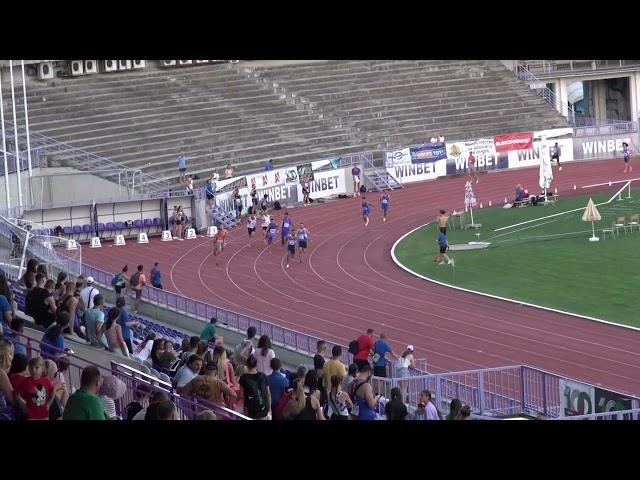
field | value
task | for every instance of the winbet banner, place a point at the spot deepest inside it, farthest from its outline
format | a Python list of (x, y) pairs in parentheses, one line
[(326, 184), (399, 165), (483, 150), (531, 157)]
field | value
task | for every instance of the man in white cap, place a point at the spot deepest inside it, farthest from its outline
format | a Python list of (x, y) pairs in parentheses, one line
[(88, 293)]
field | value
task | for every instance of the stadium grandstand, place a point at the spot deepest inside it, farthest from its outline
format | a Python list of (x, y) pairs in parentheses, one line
[(136, 283)]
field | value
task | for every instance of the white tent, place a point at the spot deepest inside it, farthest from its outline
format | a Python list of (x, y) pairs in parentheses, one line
[(469, 199), (546, 173)]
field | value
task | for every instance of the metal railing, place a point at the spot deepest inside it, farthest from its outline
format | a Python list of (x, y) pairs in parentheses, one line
[(547, 67)]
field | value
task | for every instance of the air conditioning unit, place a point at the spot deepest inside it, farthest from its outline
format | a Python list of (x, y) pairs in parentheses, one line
[(183, 63), (77, 67), (124, 64), (202, 61), (90, 66), (167, 63), (139, 63), (45, 71), (110, 66)]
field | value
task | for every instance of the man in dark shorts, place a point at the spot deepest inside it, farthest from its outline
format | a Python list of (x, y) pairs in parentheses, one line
[(291, 245), (555, 155), (137, 281), (472, 166), (264, 202), (442, 221), (182, 166), (442, 256)]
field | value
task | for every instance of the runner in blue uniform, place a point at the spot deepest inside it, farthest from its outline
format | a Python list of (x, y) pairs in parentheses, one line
[(291, 246), (286, 227), (272, 230), (303, 238), (366, 209), (384, 205)]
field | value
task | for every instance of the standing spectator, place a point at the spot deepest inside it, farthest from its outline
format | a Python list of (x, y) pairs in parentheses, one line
[(37, 391), (88, 293), (278, 384), (119, 280), (182, 166), (94, 321), (339, 402), (365, 345), (244, 349), (10, 402), (69, 304), (85, 404), (191, 349), (210, 387), (264, 355), (179, 218), (465, 413), (5, 309), (268, 166), (362, 394), (403, 364), (215, 176), (237, 202), (156, 276), (210, 192), (113, 332), (52, 343), (254, 392), (434, 139), (28, 279), (334, 367), (209, 331), (144, 349), (60, 390), (19, 342), (42, 306), (318, 364), (352, 373), (188, 372), (355, 172), (395, 409), (126, 324), (380, 349), (5, 289), (19, 370), (454, 409), (228, 172), (138, 280), (190, 186), (430, 408), (60, 286), (440, 138), (111, 390)]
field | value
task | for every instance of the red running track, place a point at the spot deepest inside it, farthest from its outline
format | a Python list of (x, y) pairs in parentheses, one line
[(348, 282)]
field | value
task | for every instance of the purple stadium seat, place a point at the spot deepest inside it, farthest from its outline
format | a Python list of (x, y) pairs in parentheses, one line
[(77, 230), (119, 226), (109, 227), (67, 231), (88, 229), (100, 228), (148, 223), (137, 224)]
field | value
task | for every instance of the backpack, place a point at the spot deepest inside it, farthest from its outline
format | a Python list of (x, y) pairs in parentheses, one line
[(354, 347), (276, 205), (242, 351), (363, 189), (278, 413), (256, 395), (135, 279), (117, 280)]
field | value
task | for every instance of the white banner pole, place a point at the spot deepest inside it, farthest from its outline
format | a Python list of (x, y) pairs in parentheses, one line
[(26, 117), (15, 133), (4, 149)]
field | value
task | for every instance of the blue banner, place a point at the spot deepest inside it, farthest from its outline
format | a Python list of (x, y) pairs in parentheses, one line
[(428, 153)]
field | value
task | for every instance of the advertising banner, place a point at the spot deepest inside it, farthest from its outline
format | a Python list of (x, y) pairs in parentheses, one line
[(513, 141), (531, 157), (429, 153), (397, 157), (602, 146), (607, 401), (483, 150), (307, 170), (269, 179), (416, 172), (326, 184), (576, 398), (225, 200)]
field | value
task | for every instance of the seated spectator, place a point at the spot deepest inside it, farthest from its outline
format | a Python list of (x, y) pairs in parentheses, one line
[(187, 372), (210, 387), (126, 324), (454, 409), (338, 402), (85, 404), (166, 410), (111, 390), (19, 341), (430, 408), (202, 350), (228, 172), (420, 413), (168, 357), (94, 320), (209, 331), (11, 404), (7, 292), (60, 390), (519, 193), (254, 392), (156, 352), (140, 394), (52, 343), (19, 369), (268, 165), (395, 409), (113, 332), (144, 349), (192, 350), (465, 413), (264, 355), (37, 391), (5, 313), (149, 413), (206, 415), (278, 383)]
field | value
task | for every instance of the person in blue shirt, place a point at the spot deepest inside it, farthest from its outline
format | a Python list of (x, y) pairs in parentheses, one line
[(366, 209), (268, 166), (155, 275), (272, 230), (442, 256), (626, 156), (286, 227), (380, 349), (384, 205), (5, 312), (303, 238), (52, 343), (209, 191), (291, 246), (278, 382), (182, 166), (126, 324)]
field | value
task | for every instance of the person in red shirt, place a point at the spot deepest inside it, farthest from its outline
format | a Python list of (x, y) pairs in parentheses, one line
[(365, 346), (19, 370), (37, 391), (472, 167), (219, 241)]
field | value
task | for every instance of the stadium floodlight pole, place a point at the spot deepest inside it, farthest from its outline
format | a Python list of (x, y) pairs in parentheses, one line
[(4, 149), (15, 133)]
